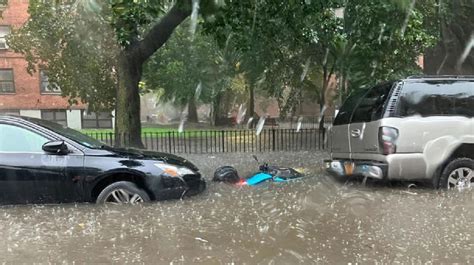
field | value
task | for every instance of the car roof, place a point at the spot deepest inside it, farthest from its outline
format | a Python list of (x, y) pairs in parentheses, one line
[(421, 78), (12, 117)]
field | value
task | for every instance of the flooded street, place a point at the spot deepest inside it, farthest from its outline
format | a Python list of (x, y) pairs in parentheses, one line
[(314, 219)]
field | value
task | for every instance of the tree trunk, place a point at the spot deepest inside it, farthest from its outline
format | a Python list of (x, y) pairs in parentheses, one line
[(192, 111), (127, 117), (251, 104), (131, 60), (215, 109)]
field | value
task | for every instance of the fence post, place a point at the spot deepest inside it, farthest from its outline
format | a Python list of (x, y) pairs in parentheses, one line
[(324, 138), (169, 141), (273, 139), (223, 141)]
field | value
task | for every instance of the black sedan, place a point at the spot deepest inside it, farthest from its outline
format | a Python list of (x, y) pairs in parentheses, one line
[(44, 162)]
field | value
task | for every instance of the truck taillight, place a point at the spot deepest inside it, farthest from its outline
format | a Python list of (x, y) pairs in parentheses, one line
[(387, 140)]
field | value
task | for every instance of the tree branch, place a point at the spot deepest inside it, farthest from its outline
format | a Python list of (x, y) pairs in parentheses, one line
[(162, 31)]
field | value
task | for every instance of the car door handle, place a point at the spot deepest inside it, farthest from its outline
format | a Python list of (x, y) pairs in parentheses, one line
[(355, 133)]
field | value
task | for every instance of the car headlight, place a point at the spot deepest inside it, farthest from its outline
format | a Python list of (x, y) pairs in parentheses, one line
[(174, 171)]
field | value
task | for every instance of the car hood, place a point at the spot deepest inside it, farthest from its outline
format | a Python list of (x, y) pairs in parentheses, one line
[(137, 154)]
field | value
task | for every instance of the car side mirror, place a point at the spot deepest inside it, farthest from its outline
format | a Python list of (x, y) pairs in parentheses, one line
[(55, 147)]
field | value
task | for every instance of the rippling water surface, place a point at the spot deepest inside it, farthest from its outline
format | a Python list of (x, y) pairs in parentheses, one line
[(315, 219)]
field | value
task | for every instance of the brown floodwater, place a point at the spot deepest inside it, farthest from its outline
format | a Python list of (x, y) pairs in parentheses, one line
[(311, 220)]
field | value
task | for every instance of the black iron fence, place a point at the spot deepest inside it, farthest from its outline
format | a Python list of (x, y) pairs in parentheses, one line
[(304, 122), (224, 141)]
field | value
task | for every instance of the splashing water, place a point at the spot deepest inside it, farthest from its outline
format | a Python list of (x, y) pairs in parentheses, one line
[(194, 18), (241, 114), (197, 94), (305, 69), (311, 220), (299, 124), (260, 124), (467, 51), (407, 18)]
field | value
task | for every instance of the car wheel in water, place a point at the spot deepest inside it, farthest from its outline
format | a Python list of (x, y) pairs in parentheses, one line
[(458, 174), (123, 192)]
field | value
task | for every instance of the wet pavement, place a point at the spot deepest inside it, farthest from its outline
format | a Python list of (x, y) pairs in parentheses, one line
[(315, 219)]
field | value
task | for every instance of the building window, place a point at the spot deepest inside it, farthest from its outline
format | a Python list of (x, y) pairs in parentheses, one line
[(4, 32), (58, 116), (93, 121), (46, 86), (6, 81), (9, 112)]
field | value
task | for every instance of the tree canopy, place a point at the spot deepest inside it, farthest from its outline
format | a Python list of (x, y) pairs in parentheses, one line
[(101, 51)]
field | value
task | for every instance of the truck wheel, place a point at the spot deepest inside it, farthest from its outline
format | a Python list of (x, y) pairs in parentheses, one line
[(458, 174), (123, 192)]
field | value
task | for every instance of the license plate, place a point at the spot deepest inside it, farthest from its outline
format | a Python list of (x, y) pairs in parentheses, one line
[(349, 168)]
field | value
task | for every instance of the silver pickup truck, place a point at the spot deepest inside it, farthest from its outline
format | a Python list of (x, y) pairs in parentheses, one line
[(420, 128)]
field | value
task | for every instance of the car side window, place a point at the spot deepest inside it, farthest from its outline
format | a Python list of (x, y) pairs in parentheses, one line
[(16, 139), (370, 107), (345, 113), (437, 98)]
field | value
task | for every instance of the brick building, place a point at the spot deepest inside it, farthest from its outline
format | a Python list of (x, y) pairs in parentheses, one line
[(32, 95)]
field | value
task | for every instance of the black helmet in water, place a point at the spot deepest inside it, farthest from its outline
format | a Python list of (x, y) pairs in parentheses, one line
[(226, 174)]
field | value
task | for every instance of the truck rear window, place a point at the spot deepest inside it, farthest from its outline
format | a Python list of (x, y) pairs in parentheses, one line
[(345, 113), (364, 105), (371, 106), (437, 98)]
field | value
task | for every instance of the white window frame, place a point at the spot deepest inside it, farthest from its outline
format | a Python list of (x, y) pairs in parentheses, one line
[(3, 38)]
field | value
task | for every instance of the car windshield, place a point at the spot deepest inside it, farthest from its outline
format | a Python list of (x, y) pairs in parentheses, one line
[(69, 133)]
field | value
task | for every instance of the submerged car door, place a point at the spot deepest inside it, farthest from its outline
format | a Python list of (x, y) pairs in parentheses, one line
[(28, 174), (365, 122), (340, 138)]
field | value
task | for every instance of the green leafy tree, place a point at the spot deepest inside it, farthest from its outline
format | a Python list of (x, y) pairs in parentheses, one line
[(280, 43), (139, 29), (82, 61), (454, 52), (182, 70), (385, 38)]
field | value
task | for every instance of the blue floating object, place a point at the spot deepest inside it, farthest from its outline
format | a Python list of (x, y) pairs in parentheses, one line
[(258, 178)]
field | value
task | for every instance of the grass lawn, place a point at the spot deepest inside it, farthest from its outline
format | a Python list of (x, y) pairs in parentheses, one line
[(147, 130), (155, 132), (164, 128)]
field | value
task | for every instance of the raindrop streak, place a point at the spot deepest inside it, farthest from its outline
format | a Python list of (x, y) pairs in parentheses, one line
[(184, 117), (407, 18), (260, 124), (194, 18), (382, 30), (181, 126), (249, 123), (374, 67), (325, 60), (321, 114), (300, 123), (241, 114), (305, 69), (197, 94), (467, 51)]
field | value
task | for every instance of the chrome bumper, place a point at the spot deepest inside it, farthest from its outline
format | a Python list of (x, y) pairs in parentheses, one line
[(347, 168)]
